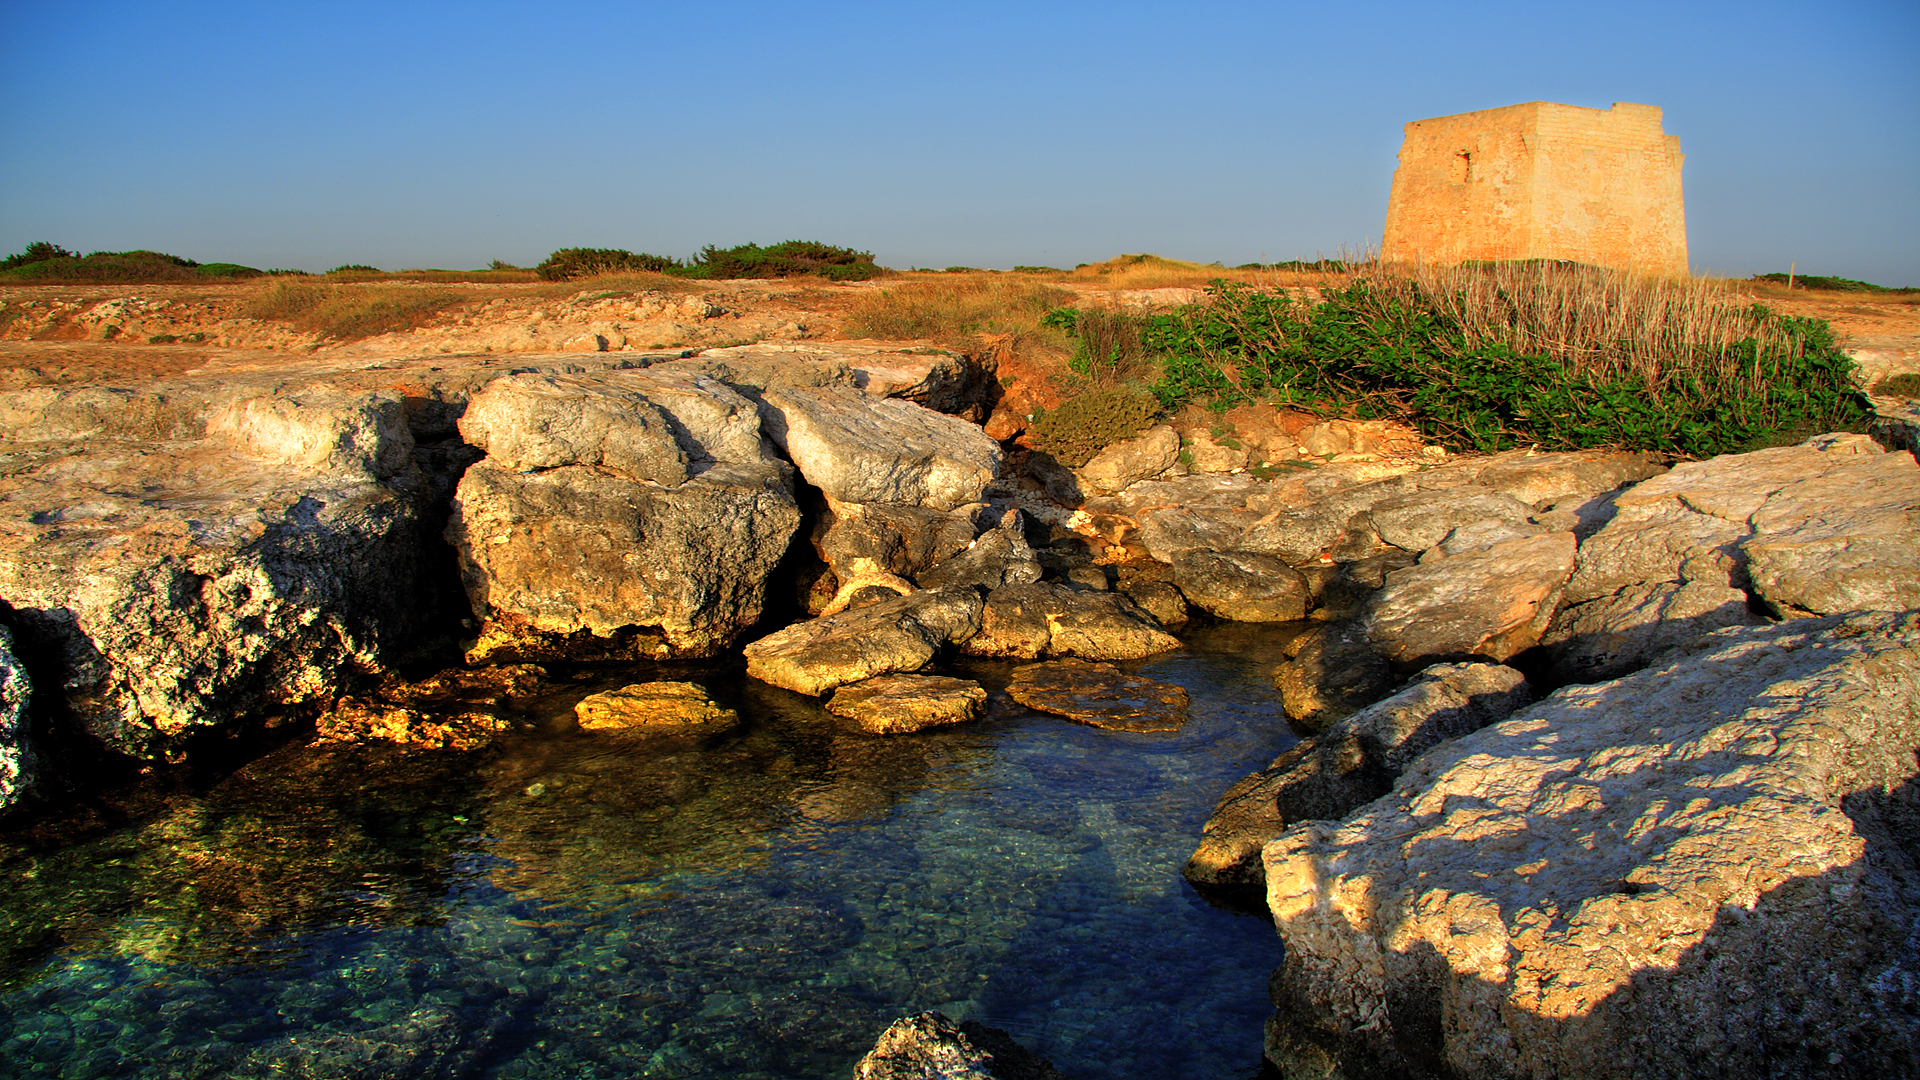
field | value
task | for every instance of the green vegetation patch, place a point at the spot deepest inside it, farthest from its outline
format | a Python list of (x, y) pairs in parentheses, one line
[(1086, 424), (1830, 284), (48, 263)]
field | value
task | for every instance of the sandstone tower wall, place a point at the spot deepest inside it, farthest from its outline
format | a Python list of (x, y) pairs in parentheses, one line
[(1541, 181)]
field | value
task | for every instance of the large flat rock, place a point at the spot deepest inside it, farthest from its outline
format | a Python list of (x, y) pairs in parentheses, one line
[(859, 450), (1493, 602), (898, 635), (1704, 869)]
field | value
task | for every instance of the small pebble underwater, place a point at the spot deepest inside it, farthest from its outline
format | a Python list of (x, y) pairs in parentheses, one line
[(754, 905)]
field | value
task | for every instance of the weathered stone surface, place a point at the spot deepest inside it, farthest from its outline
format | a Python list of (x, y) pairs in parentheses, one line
[(1331, 671), (940, 380), (1292, 535), (535, 421), (898, 539), (1000, 556), (1352, 763), (1130, 460), (1704, 869), (901, 634), (929, 1046), (653, 708), (1341, 591), (858, 450), (1042, 619), (895, 704), (1421, 519), (1242, 585), (1099, 694), (17, 759), (177, 584), (1205, 455), (1493, 602), (1609, 637), (1161, 599), (1542, 479), (576, 548), (1826, 525)]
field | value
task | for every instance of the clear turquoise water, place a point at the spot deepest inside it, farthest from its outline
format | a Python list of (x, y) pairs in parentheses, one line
[(762, 904)]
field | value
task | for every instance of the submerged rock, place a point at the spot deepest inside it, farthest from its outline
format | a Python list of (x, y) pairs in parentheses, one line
[(929, 1046), (901, 634), (1704, 869), (1040, 619), (1331, 671), (1099, 694), (458, 709), (653, 708), (894, 704), (16, 753), (1353, 762)]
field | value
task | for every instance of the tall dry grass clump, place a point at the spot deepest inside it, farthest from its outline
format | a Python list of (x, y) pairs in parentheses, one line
[(954, 310), (348, 312)]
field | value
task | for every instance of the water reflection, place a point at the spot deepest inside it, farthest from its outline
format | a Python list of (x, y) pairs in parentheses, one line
[(754, 904)]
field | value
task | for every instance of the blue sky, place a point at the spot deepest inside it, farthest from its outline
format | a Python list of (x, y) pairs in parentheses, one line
[(398, 134)]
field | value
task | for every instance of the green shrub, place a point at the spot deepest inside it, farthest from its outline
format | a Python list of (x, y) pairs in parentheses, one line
[(1831, 284), (1084, 425), (38, 251), (1037, 270), (569, 263), (1111, 345), (1903, 385), (791, 258), (45, 262)]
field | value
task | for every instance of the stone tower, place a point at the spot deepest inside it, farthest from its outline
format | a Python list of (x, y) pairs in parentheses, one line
[(1540, 181)]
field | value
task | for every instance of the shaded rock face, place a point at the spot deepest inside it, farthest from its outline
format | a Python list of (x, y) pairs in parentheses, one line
[(1704, 869), (16, 753), (1331, 671), (1131, 460), (1161, 599), (1352, 763), (1242, 586), (901, 634), (897, 704), (596, 510), (1099, 694), (858, 450), (1492, 602), (898, 539), (1042, 619), (929, 1046), (174, 584), (653, 708), (996, 558), (1614, 635), (1819, 528)]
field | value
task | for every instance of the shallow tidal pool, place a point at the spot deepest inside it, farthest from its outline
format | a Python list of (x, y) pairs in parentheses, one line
[(759, 904)]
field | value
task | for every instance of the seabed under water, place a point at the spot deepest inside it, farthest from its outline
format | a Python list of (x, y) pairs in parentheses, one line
[(757, 905)]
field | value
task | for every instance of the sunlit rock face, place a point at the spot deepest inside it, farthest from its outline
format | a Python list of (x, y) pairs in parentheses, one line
[(1705, 868), (628, 500)]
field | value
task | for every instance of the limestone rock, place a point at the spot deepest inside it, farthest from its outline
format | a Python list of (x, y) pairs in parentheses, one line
[(1209, 456), (1421, 519), (16, 752), (894, 704), (940, 380), (1614, 635), (1540, 479), (1825, 524), (1352, 763), (1160, 599), (1042, 619), (1704, 869), (857, 450), (901, 634), (1130, 460), (928, 1046), (1241, 585), (1494, 602), (995, 558), (322, 431), (1292, 535), (653, 708), (1099, 694), (536, 421), (577, 548), (895, 538), (1331, 671)]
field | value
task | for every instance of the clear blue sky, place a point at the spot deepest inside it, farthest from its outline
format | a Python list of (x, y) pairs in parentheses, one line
[(290, 134)]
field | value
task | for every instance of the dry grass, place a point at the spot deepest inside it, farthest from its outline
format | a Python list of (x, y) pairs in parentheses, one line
[(622, 284), (1155, 272), (1607, 324), (955, 309), (348, 312)]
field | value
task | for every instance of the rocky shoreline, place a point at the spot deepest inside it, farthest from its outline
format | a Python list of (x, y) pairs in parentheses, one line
[(1613, 762)]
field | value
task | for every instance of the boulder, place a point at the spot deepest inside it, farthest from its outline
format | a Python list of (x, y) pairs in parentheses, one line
[(894, 538), (940, 380), (16, 753), (1293, 535), (858, 450), (1419, 520), (896, 704), (995, 558), (1331, 671), (1818, 528), (928, 1046), (1243, 586), (533, 421), (1130, 460), (901, 634), (1614, 635), (653, 708), (1702, 869), (1160, 599), (1099, 694), (1574, 475), (1042, 619), (1493, 602), (577, 548), (1205, 455), (1352, 763)]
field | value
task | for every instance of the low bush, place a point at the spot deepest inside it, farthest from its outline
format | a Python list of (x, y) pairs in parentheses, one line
[(569, 263), (43, 262), (1904, 385), (1830, 284), (792, 258), (1086, 424), (1111, 345)]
